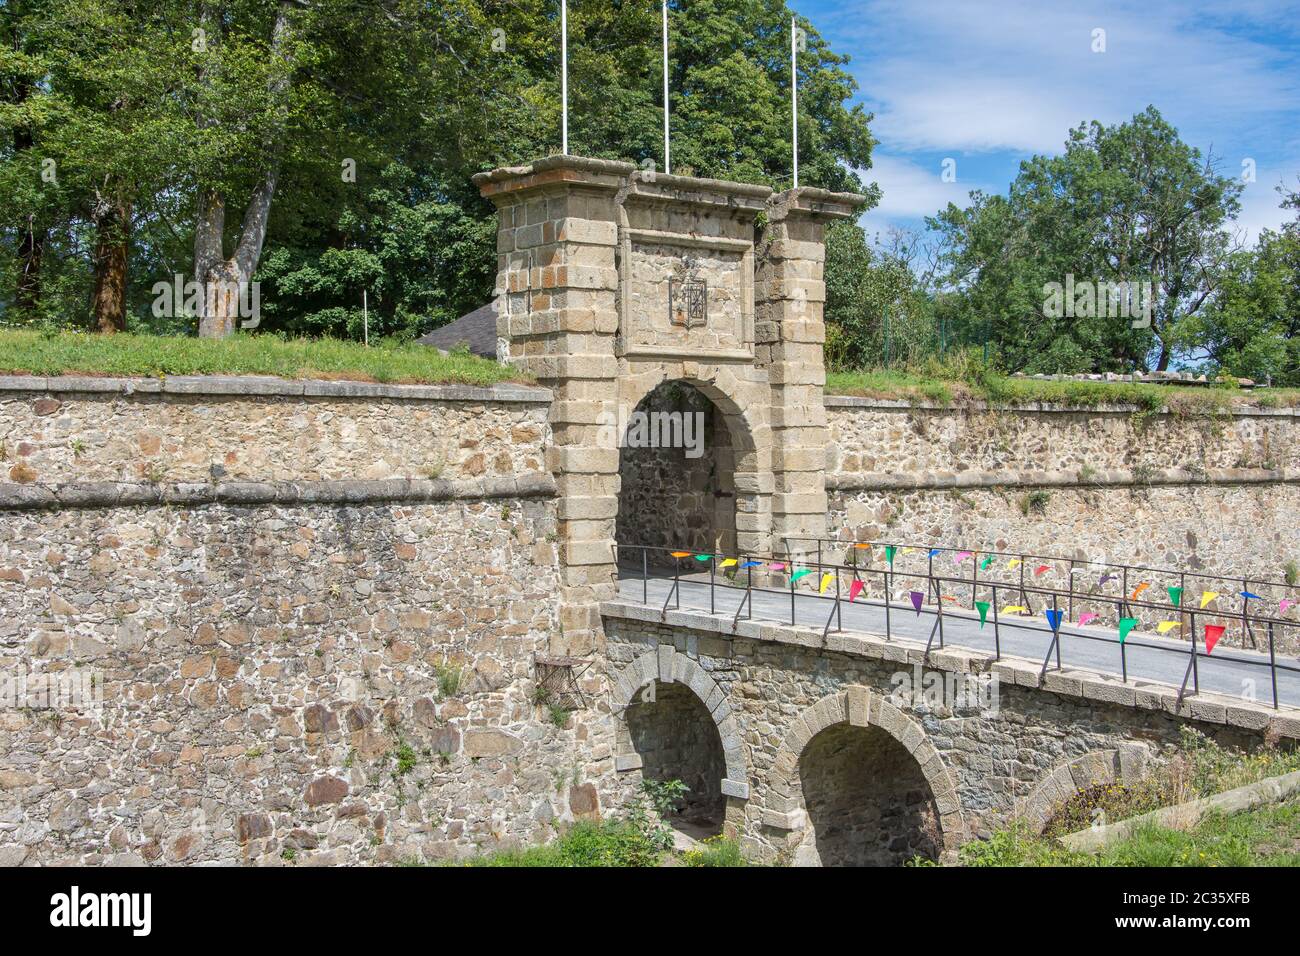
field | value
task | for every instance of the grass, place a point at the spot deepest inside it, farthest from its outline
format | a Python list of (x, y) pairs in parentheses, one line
[(1266, 836), (611, 843), (37, 353), (949, 385)]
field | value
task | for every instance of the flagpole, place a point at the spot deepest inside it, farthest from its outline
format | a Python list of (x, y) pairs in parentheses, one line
[(564, 76), (794, 100), (668, 161)]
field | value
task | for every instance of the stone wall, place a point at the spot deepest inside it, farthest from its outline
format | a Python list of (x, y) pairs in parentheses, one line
[(309, 669), (805, 720), (1212, 494)]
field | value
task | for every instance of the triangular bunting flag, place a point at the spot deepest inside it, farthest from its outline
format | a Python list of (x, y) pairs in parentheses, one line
[(751, 564), (1101, 582), (889, 553), (729, 563), (983, 608), (1164, 627), (1176, 596), (703, 557), (777, 566), (863, 546), (934, 552), (800, 573), (681, 554), (1207, 597), (855, 589), (1053, 618), (826, 582), (1138, 590), (1250, 597), (961, 556), (917, 598), (1040, 569), (1013, 563), (1085, 618), (1284, 604), (1126, 624), (1212, 634), (984, 565), (1014, 609)]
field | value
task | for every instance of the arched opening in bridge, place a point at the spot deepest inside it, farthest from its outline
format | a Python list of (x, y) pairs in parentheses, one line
[(868, 803), (676, 476), (676, 738)]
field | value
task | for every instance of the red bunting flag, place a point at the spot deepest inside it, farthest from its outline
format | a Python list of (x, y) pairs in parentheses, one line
[(1212, 634), (855, 589), (1040, 569)]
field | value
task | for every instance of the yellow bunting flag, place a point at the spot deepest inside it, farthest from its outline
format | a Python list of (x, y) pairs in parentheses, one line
[(826, 582), (908, 550), (1014, 562), (1014, 609), (1207, 597), (729, 563), (1164, 627)]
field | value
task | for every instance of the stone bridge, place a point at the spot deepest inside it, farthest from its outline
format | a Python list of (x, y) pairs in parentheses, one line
[(811, 749)]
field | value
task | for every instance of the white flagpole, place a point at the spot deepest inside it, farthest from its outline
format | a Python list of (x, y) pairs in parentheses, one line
[(794, 99), (564, 76), (668, 156)]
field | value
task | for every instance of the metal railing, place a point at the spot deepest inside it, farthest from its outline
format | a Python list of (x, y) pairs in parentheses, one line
[(1124, 575), (688, 567)]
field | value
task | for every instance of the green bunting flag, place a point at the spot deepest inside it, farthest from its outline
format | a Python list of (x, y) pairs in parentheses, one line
[(800, 573), (1126, 624), (983, 607), (984, 565), (1176, 596), (890, 550)]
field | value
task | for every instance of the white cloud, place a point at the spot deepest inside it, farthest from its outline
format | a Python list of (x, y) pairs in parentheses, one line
[(954, 75), (911, 191), (1261, 204)]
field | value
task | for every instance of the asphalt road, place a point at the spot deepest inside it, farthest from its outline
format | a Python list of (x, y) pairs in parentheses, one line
[(1227, 671)]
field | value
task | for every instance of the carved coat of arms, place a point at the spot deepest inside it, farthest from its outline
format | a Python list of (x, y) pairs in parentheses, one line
[(688, 296)]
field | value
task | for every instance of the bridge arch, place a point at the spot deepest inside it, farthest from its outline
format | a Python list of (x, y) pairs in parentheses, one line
[(717, 502), (1094, 769), (841, 759), (683, 730)]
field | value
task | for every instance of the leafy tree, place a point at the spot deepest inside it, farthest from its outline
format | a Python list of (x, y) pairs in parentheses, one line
[(1130, 203)]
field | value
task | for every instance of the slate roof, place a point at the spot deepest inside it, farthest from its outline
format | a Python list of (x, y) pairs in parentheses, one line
[(477, 329)]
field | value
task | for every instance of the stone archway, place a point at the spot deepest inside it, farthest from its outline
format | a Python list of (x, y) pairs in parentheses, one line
[(853, 782), (686, 692), (1095, 768), (717, 502)]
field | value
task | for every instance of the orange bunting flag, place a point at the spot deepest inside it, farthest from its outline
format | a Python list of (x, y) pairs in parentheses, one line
[(1138, 590), (681, 554)]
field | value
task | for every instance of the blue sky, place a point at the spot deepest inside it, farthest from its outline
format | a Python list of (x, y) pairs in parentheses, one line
[(989, 83)]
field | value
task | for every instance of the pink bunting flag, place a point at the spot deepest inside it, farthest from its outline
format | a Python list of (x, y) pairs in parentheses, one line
[(855, 589), (1085, 618), (777, 566), (961, 556), (1285, 603)]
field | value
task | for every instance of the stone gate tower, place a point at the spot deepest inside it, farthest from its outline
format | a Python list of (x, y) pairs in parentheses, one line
[(612, 280)]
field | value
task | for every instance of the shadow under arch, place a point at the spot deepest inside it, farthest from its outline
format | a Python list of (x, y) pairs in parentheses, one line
[(857, 782), (682, 729), (669, 499)]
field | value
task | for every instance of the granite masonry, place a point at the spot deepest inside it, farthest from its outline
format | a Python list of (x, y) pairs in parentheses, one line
[(251, 621)]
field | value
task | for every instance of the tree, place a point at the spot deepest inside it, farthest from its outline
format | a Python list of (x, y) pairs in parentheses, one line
[(1124, 205)]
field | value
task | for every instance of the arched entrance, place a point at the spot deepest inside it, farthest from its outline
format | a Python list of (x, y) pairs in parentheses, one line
[(866, 800), (677, 468), (676, 739)]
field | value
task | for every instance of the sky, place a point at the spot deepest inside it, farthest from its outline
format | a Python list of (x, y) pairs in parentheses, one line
[(989, 83)]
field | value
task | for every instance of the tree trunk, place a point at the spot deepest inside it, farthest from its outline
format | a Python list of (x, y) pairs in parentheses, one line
[(109, 308), (31, 252)]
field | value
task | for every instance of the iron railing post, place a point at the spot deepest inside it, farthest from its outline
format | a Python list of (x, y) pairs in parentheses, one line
[(645, 575), (1272, 663)]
